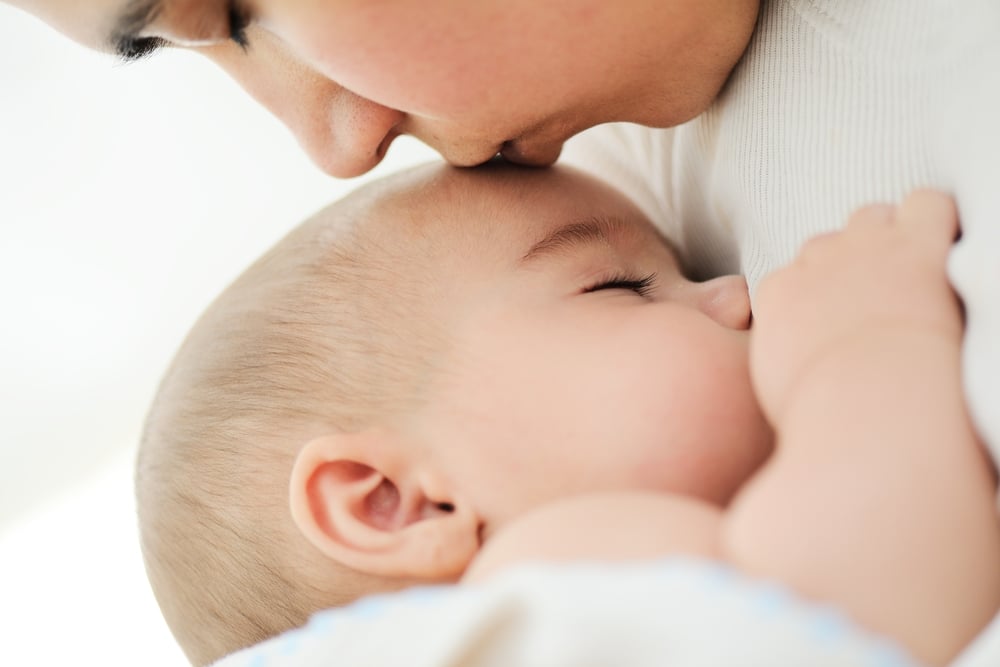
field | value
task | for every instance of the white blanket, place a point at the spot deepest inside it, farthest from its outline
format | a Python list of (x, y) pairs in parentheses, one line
[(669, 613)]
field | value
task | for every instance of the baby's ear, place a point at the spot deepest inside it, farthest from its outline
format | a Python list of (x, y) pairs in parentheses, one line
[(363, 500)]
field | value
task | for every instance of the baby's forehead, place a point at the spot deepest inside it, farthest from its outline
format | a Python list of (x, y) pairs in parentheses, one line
[(499, 210)]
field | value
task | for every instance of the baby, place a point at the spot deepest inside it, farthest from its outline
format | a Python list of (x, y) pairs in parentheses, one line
[(436, 375)]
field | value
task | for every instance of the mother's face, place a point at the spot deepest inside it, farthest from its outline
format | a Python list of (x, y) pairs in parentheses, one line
[(471, 79)]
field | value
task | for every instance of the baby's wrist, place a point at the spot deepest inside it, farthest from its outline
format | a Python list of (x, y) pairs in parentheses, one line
[(874, 355)]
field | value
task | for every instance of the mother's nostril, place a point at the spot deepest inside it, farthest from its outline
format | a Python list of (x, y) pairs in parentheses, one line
[(383, 147), (354, 135)]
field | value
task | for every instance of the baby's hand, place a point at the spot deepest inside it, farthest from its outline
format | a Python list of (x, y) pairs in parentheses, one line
[(884, 273)]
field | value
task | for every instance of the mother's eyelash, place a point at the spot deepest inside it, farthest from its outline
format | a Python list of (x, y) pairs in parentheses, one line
[(239, 21), (131, 49)]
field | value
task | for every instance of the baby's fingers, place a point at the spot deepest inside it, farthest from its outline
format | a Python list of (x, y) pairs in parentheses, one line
[(932, 214), (873, 215)]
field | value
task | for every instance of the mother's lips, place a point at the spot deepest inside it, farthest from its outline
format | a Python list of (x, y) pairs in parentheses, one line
[(537, 155), (514, 151)]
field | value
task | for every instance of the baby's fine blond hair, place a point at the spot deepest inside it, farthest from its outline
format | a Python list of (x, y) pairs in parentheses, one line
[(330, 331)]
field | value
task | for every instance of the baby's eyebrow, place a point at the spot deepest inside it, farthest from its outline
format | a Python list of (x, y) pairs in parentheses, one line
[(592, 231), (128, 25)]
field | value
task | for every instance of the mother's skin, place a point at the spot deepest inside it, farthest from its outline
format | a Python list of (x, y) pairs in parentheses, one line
[(470, 79)]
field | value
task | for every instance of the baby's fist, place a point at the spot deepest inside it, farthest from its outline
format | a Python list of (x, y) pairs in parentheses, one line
[(883, 273)]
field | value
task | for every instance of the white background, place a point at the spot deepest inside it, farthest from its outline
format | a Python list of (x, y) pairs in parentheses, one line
[(130, 195)]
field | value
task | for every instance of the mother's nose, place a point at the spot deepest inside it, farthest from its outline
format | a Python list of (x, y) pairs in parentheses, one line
[(344, 134)]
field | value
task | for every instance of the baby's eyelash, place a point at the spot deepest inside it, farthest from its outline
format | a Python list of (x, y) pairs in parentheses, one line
[(642, 286), (239, 21)]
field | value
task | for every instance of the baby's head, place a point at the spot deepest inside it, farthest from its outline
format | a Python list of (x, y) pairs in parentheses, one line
[(417, 365)]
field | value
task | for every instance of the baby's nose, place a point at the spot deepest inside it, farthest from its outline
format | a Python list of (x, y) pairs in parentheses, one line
[(726, 300)]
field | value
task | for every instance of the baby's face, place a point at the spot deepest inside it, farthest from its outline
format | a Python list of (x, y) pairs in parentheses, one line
[(470, 79), (582, 359)]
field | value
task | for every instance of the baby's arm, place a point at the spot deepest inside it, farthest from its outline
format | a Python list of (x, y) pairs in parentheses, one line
[(879, 498)]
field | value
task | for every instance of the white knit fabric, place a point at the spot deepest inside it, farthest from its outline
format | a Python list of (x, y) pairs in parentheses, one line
[(672, 613), (836, 104)]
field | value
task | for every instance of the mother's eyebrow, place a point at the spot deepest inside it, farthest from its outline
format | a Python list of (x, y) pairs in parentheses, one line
[(128, 25), (576, 234)]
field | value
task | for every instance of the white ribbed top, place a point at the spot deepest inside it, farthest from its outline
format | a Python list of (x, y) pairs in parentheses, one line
[(836, 104)]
